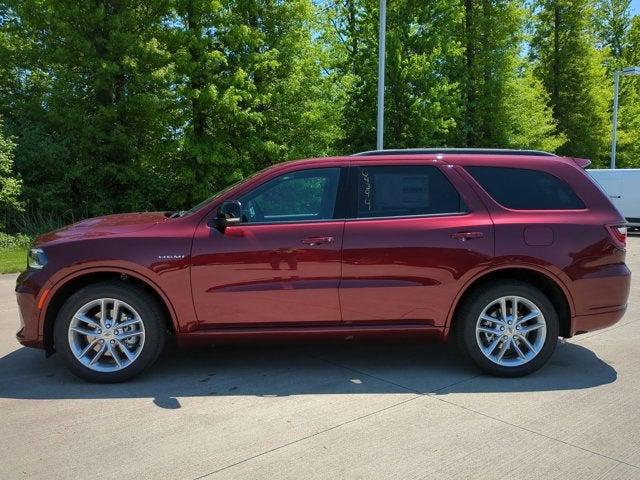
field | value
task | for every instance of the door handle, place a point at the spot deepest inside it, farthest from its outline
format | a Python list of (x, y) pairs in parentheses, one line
[(464, 236), (313, 241)]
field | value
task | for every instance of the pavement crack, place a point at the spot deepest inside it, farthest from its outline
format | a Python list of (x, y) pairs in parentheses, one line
[(404, 387), (534, 432), (301, 439), (418, 394)]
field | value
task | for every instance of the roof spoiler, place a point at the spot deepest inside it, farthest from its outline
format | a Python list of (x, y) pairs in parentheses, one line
[(581, 162)]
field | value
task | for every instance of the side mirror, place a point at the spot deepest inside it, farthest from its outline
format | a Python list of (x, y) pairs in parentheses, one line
[(229, 213)]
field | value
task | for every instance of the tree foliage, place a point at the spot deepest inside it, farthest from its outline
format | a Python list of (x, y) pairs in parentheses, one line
[(10, 185), (113, 105), (454, 74), (629, 112), (612, 22), (250, 90), (571, 69)]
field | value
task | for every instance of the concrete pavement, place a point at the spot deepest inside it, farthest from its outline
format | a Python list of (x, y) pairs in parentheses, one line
[(356, 411)]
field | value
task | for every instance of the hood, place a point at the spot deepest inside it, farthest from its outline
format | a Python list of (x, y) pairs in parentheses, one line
[(104, 226)]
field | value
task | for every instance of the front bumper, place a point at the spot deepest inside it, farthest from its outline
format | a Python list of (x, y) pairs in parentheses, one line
[(27, 291)]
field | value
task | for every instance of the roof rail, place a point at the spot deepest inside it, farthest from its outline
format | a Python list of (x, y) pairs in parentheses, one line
[(458, 151)]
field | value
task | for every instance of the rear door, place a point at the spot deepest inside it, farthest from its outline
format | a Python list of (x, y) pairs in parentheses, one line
[(416, 233)]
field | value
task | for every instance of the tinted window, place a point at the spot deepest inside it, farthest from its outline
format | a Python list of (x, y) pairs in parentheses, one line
[(525, 189), (298, 196), (391, 191)]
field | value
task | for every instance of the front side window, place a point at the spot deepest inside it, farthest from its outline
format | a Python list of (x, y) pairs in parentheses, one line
[(405, 190), (526, 189), (305, 195)]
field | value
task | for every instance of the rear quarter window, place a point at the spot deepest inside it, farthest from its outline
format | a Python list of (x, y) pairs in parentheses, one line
[(526, 189)]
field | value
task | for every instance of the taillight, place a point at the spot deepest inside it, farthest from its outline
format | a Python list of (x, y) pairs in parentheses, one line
[(618, 234)]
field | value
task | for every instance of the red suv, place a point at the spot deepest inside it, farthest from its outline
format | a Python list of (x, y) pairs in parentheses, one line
[(502, 250)]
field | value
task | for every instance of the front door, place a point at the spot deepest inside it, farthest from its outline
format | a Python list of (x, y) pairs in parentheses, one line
[(281, 265), (411, 243)]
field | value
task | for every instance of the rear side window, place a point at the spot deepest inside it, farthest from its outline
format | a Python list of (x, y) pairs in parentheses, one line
[(524, 189), (392, 191)]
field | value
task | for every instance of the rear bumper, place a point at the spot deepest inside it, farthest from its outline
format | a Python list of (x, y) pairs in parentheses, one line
[(600, 298), (596, 321)]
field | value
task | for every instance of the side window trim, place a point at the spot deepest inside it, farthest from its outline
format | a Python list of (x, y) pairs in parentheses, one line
[(352, 204), (399, 217)]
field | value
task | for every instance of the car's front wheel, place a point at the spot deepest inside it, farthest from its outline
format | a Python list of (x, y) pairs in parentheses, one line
[(109, 332), (508, 328)]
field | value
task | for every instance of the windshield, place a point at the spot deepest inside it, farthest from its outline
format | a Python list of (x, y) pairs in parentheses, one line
[(206, 201)]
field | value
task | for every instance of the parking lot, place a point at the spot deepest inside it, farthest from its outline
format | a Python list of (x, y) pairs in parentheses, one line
[(405, 411)]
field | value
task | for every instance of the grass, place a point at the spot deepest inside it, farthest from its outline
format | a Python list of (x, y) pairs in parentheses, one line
[(13, 259)]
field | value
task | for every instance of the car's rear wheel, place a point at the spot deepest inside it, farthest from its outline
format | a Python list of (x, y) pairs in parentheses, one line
[(109, 332), (508, 328)]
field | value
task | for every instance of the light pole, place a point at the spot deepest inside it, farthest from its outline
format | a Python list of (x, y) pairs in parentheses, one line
[(616, 84), (381, 58)]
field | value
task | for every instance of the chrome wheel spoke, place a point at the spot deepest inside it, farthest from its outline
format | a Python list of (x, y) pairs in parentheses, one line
[(125, 350), (89, 321), (524, 340), (529, 316), (503, 308), (89, 346), (85, 331), (128, 323), (102, 344), (489, 330), (498, 321), (115, 312), (114, 355), (506, 345), (97, 356), (517, 349), (103, 311), (125, 335), (531, 328), (489, 350)]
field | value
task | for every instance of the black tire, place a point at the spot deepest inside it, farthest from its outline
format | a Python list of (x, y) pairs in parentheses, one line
[(145, 305), (474, 304)]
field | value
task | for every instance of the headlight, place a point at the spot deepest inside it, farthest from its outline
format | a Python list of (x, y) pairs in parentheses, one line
[(36, 258)]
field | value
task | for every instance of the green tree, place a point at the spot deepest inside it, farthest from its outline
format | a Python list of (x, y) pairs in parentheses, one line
[(91, 105), (10, 184), (628, 149), (570, 67), (491, 38), (454, 75), (612, 21), (529, 122), (422, 99), (251, 90), (504, 105)]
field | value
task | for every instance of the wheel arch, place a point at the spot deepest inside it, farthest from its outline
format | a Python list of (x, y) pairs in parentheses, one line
[(545, 281), (65, 287)]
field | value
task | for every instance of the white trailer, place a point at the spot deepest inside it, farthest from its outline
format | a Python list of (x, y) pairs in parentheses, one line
[(622, 185)]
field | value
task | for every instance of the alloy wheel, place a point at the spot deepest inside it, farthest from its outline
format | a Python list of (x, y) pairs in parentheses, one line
[(511, 331), (106, 335)]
